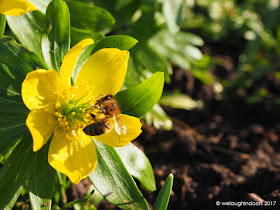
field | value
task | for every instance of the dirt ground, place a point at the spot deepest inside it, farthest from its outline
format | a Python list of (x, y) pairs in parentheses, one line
[(225, 151)]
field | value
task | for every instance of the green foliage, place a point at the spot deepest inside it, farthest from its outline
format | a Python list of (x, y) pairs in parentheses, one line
[(2, 24), (172, 10), (15, 62), (179, 101), (89, 17), (162, 200), (34, 27), (116, 186), (138, 165), (41, 181), (15, 172), (158, 118), (12, 127), (56, 38), (138, 100)]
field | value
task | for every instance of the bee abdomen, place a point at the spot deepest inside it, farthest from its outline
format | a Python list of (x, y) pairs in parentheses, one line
[(97, 128)]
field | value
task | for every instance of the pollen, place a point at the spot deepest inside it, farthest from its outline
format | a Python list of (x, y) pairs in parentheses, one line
[(57, 105)]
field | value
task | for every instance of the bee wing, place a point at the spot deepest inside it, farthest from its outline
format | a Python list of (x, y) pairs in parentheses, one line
[(119, 126)]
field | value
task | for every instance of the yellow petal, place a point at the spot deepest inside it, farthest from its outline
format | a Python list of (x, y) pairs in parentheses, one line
[(69, 61), (15, 7), (41, 125), (133, 130), (39, 88), (105, 70), (76, 159)]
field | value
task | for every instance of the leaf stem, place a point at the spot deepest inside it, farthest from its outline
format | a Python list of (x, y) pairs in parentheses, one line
[(63, 194), (68, 205)]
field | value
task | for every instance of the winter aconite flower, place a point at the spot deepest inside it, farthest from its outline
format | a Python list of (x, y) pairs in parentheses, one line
[(60, 111), (16, 7)]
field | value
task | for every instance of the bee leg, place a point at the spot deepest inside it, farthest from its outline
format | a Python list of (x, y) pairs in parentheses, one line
[(98, 107)]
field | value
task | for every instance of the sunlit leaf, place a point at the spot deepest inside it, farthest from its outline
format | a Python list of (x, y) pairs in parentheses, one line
[(158, 118), (179, 101), (56, 39), (172, 11), (2, 24), (89, 17), (164, 194), (186, 37), (138, 165), (138, 100), (40, 4), (28, 29), (114, 182)]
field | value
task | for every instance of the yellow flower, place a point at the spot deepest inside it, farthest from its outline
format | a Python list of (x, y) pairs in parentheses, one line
[(62, 110), (16, 7)]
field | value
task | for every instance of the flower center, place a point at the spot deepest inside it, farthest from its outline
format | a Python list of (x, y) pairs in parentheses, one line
[(73, 111)]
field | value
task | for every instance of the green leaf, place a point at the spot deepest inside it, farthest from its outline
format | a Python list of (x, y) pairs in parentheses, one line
[(7, 150), (89, 17), (172, 11), (41, 182), (15, 62), (118, 41), (177, 47), (138, 100), (40, 4), (186, 37), (138, 165), (134, 74), (78, 35), (179, 101), (28, 29), (2, 24), (12, 127), (192, 52), (122, 3), (56, 39), (114, 182), (200, 70), (12, 104), (174, 55), (121, 42), (152, 60), (158, 118), (14, 173), (164, 194)]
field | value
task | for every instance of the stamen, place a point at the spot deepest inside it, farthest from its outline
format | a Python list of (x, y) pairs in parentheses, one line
[(57, 105), (57, 114)]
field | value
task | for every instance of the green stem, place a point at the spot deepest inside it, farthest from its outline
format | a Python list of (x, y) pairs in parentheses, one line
[(2, 24), (63, 194), (68, 205)]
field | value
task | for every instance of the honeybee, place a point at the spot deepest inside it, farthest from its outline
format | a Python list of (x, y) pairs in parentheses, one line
[(109, 112)]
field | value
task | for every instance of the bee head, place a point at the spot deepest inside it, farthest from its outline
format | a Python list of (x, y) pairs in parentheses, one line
[(107, 97)]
